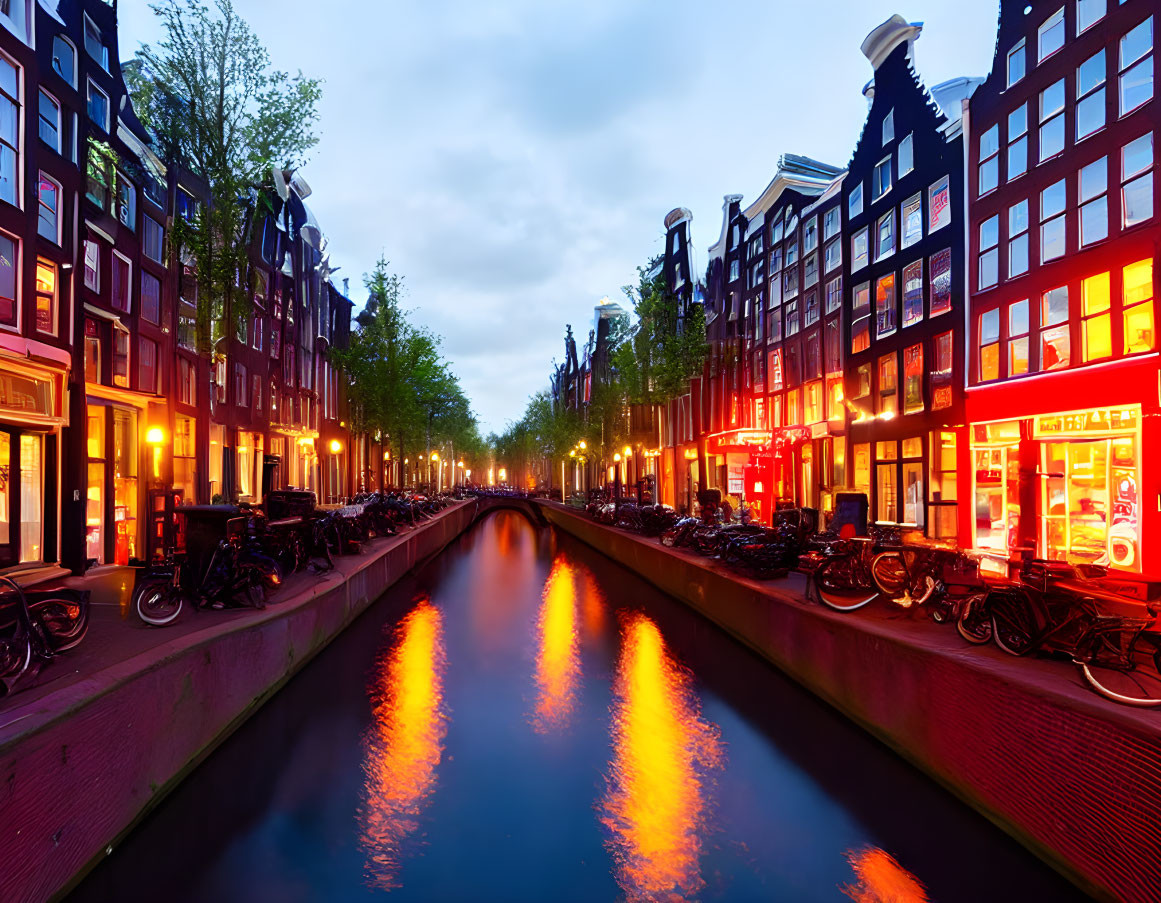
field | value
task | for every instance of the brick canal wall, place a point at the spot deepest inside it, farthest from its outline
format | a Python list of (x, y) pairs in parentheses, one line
[(1071, 776), (83, 764)]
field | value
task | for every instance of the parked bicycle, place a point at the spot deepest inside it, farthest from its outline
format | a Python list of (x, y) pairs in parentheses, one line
[(35, 627)]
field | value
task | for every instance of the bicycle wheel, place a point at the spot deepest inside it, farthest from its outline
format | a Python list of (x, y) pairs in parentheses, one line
[(65, 622), (974, 623), (890, 573), (840, 587), (1012, 626), (1127, 686), (158, 602)]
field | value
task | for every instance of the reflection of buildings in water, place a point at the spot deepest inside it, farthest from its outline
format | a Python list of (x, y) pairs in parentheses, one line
[(656, 806), (881, 879), (404, 744), (557, 652), (507, 558)]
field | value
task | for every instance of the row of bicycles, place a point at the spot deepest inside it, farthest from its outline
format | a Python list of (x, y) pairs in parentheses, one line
[(1107, 624)]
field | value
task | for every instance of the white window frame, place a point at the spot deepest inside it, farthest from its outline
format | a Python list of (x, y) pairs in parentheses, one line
[(103, 59), (1057, 18), (1022, 48), (890, 178), (20, 114), (59, 119), (71, 78), (56, 239)]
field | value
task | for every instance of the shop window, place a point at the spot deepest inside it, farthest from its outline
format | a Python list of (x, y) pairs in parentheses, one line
[(914, 496), (906, 155), (861, 467), (913, 379), (881, 178), (184, 457), (92, 266), (885, 312), (888, 386), (120, 357), (989, 167), (214, 470), (1052, 120), (1018, 338), (886, 482), (10, 162), (121, 283), (1090, 94), (812, 405), (941, 372), (1137, 304), (1094, 204), (125, 508), (1136, 67), (939, 205), (1053, 201), (1096, 319), (1018, 239), (1137, 181), (855, 201), (95, 485), (187, 389), (989, 345), (860, 249), (834, 399), (944, 485), (911, 216), (92, 352), (150, 298), (989, 263), (1017, 142), (1054, 340), (147, 365), (912, 293), (885, 245)]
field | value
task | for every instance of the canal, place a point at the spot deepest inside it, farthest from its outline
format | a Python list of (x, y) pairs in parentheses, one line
[(524, 720)]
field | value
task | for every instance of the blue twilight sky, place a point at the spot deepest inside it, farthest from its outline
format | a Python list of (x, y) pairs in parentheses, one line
[(515, 160)]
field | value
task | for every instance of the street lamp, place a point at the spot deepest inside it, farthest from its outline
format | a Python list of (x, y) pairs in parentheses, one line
[(336, 446), (154, 437)]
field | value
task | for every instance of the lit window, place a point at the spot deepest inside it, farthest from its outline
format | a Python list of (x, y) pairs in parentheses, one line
[(1137, 181), (939, 205), (1096, 320), (989, 266), (939, 272), (1018, 142), (913, 379), (859, 249), (906, 155), (46, 300), (885, 246), (1052, 225), (9, 130), (885, 306), (989, 170), (64, 60), (1052, 120), (1137, 303), (912, 293), (1016, 64), (1089, 12), (889, 127), (1018, 338), (861, 318), (888, 385), (855, 201), (881, 178), (1055, 345), (1018, 239), (989, 345), (48, 221), (941, 371), (911, 215), (49, 121), (1090, 94), (1136, 67), (1094, 202), (1050, 36)]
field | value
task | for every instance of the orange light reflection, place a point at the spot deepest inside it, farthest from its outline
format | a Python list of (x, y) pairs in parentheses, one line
[(655, 806), (405, 742), (557, 653), (881, 879)]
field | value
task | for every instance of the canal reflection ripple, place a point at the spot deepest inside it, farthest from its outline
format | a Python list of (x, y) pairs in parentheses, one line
[(558, 655)]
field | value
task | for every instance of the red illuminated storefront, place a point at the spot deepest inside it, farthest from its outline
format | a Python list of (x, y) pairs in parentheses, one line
[(762, 468)]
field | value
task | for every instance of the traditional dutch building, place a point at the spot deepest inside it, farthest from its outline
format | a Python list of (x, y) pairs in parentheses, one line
[(1063, 369), (902, 212)]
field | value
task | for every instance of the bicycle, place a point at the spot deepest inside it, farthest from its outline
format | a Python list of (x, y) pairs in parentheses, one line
[(35, 627)]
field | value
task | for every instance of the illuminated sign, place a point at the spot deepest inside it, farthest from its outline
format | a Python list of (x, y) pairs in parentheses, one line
[(1100, 420)]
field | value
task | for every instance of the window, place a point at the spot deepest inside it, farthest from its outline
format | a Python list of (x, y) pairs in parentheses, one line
[(186, 384), (912, 219), (792, 321), (120, 357), (1052, 226), (810, 235), (1088, 12), (126, 202), (1137, 305), (831, 223), (1137, 181), (1090, 92), (147, 366), (791, 251), (861, 318), (939, 205), (121, 279), (888, 385), (153, 240), (241, 386), (834, 294), (1050, 36), (913, 379), (943, 475), (774, 370), (1016, 64), (1052, 120), (46, 299), (833, 255), (855, 201), (187, 209), (1018, 239), (989, 170), (98, 107), (1018, 338), (9, 130), (1094, 202), (989, 266), (906, 155), (810, 271), (790, 282), (92, 352), (811, 310), (939, 272), (812, 364), (48, 221), (885, 246), (1096, 319), (64, 60), (1136, 67), (859, 249), (832, 346), (774, 286), (94, 45), (98, 178), (49, 121), (1054, 339), (1018, 142), (885, 306), (881, 178), (734, 270), (150, 298), (889, 127), (912, 293), (989, 346), (92, 266)]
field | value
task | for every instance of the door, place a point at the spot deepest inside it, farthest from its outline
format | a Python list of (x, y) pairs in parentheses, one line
[(9, 502)]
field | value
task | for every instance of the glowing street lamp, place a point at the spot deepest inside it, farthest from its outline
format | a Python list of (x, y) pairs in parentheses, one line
[(336, 446), (154, 437)]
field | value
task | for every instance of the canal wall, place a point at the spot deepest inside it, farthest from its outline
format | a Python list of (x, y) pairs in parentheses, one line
[(79, 767), (1071, 776)]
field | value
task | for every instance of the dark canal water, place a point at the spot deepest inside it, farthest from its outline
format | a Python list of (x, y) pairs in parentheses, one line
[(524, 720)]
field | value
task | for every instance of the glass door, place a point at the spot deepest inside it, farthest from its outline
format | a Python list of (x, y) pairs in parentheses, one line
[(8, 513), (31, 497)]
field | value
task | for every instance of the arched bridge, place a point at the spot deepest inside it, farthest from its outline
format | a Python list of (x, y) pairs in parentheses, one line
[(486, 504)]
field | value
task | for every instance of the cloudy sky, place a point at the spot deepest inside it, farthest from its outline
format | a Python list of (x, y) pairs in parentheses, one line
[(514, 160)]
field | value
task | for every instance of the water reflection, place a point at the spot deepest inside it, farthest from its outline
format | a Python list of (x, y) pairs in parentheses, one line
[(656, 803), (405, 743), (881, 879), (557, 653)]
